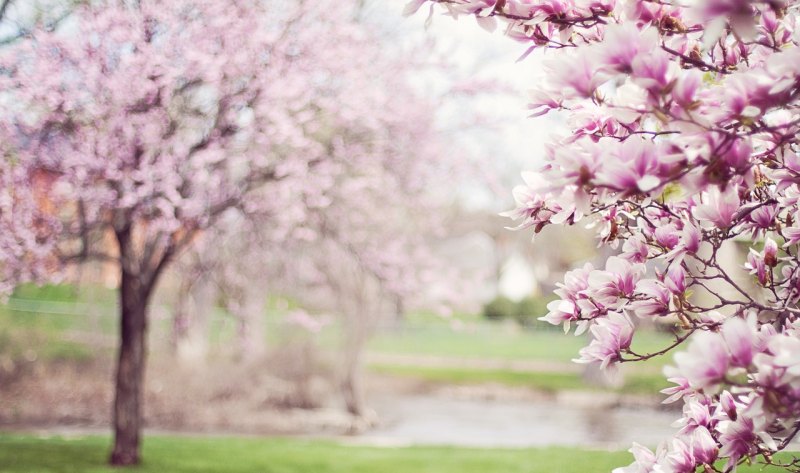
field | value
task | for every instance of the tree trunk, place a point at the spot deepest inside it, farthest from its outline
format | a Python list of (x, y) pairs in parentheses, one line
[(127, 415), (181, 317), (355, 338), (352, 389), (190, 325), (250, 312), (352, 381)]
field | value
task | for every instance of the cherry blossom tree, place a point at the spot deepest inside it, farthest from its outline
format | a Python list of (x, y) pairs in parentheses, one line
[(684, 140), (147, 122), (364, 241)]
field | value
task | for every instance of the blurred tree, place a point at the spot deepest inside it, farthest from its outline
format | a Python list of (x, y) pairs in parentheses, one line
[(363, 244), (149, 122)]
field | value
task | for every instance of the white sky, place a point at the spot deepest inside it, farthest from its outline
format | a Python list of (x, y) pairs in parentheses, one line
[(517, 143)]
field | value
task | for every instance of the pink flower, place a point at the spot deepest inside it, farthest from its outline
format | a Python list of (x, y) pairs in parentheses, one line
[(680, 458), (644, 460), (755, 265), (704, 447), (612, 334), (738, 155), (719, 207), (792, 236), (696, 414), (678, 391), (656, 298), (579, 72), (770, 253), (623, 43), (651, 71), (412, 7), (705, 362), (617, 281), (740, 338), (577, 167), (635, 249), (675, 280), (738, 437), (728, 405), (635, 168), (532, 202), (571, 292), (667, 236), (763, 218), (542, 102), (559, 312), (686, 87), (690, 238), (786, 350)]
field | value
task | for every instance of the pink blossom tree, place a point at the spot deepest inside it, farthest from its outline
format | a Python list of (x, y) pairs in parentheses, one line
[(684, 139), (148, 122), (361, 243)]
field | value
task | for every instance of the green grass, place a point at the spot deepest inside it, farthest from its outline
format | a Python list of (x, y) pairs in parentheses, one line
[(498, 341), (638, 382), (47, 292), (161, 454), (35, 320), (42, 322)]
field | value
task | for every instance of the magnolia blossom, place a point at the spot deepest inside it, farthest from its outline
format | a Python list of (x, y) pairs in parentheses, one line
[(705, 363), (718, 207), (612, 335), (684, 129)]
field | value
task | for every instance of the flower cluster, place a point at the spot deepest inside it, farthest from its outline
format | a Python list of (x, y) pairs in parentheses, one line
[(683, 147)]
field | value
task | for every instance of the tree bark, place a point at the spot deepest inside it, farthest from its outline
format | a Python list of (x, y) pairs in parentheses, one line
[(127, 416)]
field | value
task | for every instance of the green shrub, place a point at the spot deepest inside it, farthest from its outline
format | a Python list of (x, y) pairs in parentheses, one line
[(529, 309), (500, 308)]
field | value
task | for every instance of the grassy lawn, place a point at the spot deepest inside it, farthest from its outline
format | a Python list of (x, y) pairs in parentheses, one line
[(43, 323), (497, 341), (504, 342), (636, 382), (29, 454)]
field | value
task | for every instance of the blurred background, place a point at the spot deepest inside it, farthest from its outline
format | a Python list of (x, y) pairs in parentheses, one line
[(385, 308)]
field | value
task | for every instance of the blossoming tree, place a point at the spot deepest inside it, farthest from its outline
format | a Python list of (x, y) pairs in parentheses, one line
[(363, 242), (145, 123), (684, 139)]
